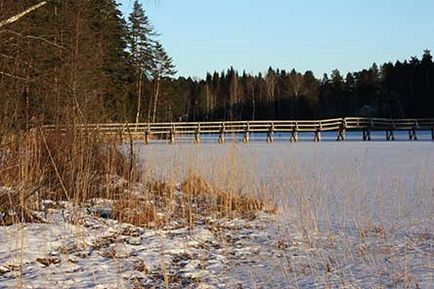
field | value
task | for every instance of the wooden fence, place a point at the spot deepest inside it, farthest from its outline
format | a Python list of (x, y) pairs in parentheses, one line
[(170, 131)]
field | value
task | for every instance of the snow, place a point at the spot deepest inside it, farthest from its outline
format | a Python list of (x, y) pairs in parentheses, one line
[(102, 253), (351, 215)]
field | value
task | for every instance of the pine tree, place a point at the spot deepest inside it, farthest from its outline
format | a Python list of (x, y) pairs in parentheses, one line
[(162, 66)]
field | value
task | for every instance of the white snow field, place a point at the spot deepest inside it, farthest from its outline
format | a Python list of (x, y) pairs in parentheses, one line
[(350, 215)]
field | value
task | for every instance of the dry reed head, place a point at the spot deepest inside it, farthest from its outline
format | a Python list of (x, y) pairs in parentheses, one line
[(195, 186)]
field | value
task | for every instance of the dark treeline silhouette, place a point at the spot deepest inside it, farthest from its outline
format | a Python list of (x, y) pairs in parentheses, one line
[(400, 90), (81, 61)]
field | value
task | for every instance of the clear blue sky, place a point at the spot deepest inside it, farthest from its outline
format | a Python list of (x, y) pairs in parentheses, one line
[(251, 35)]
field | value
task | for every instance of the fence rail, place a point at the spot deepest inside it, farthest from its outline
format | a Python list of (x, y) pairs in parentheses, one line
[(149, 131)]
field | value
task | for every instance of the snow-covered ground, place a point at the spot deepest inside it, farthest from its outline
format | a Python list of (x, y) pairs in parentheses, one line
[(79, 249), (351, 215)]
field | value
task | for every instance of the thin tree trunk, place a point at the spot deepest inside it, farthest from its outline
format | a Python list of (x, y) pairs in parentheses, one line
[(149, 108), (27, 93), (58, 40), (253, 106), (157, 92), (207, 102), (139, 98), (75, 104)]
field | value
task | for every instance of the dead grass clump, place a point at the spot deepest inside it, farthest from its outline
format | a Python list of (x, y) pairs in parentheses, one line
[(13, 207), (18, 215), (136, 211), (243, 205), (162, 193), (76, 165), (195, 186), (194, 202), (20, 161), (69, 165), (203, 199)]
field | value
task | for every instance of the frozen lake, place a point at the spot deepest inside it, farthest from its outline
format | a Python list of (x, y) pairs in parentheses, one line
[(387, 181), (373, 201)]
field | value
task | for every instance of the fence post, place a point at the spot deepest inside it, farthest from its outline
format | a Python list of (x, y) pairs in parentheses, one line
[(366, 135), (390, 132), (367, 131), (342, 130), (197, 134), (222, 134), (147, 134), (172, 134), (246, 138), (317, 137), (294, 134), (270, 134), (121, 134), (412, 132)]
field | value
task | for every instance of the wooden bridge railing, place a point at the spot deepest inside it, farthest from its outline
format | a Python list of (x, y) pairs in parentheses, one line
[(147, 131)]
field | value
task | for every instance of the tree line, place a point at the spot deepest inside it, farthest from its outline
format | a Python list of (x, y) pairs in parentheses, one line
[(400, 90), (82, 61)]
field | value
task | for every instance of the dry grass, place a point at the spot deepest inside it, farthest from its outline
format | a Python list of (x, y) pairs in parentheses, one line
[(192, 203), (201, 199), (72, 166), (137, 211), (226, 203), (78, 166)]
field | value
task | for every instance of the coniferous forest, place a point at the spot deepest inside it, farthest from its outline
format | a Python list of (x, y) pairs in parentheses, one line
[(83, 61)]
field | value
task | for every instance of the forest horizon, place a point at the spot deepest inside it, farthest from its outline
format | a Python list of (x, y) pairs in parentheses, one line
[(86, 61)]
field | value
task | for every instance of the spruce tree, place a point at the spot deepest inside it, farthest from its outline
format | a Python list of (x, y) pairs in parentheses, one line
[(111, 35), (140, 44)]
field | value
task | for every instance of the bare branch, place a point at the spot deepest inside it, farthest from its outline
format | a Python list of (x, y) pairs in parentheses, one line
[(33, 37), (13, 76), (7, 56), (22, 14)]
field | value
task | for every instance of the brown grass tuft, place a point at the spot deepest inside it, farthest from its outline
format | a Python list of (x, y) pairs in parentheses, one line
[(161, 192), (196, 201), (204, 199), (195, 186), (136, 211)]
